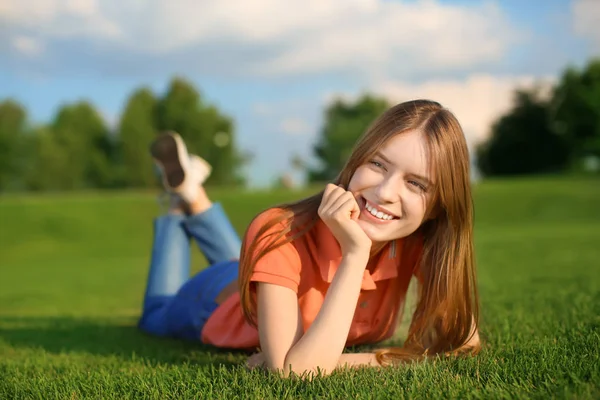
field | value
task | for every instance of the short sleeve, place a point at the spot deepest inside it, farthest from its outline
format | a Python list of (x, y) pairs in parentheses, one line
[(280, 266)]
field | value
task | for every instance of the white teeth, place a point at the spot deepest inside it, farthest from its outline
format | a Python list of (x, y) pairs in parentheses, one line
[(378, 214)]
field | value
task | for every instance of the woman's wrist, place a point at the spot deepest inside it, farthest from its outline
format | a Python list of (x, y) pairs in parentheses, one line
[(357, 258)]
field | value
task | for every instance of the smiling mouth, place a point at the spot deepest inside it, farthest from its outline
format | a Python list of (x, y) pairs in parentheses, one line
[(376, 212)]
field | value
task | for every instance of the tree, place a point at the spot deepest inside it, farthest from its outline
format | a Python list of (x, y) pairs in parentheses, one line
[(12, 127), (137, 129), (75, 151), (345, 122), (522, 141), (82, 133), (575, 110), (51, 166), (221, 151), (205, 130)]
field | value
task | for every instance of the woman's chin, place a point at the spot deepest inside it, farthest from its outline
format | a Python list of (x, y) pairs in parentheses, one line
[(374, 233), (379, 234)]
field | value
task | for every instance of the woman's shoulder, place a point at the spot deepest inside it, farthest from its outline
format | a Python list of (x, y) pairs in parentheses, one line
[(265, 216), (268, 221), (268, 214)]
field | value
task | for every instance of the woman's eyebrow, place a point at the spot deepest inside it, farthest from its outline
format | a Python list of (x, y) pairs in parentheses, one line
[(387, 160)]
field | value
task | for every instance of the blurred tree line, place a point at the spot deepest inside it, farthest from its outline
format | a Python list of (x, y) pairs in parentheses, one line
[(541, 133), (77, 150), (548, 133)]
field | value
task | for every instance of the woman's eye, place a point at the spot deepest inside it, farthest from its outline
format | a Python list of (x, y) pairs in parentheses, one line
[(418, 185), (376, 163)]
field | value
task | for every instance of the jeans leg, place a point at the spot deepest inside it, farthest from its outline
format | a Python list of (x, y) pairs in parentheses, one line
[(186, 314), (169, 271), (214, 234)]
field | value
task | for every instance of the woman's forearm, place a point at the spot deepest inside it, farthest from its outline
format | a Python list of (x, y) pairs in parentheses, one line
[(346, 360), (322, 344), (349, 360)]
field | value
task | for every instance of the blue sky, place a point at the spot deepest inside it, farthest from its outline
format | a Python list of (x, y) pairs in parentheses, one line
[(274, 66)]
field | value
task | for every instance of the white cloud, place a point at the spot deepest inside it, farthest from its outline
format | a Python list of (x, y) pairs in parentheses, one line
[(27, 45), (56, 19), (586, 20), (392, 38), (476, 101), (81, 7), (368, 37), (295, 126), (262, 109)]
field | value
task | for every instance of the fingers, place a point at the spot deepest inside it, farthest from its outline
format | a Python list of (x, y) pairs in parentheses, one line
[(255, 360), (338, 203), (331, 192), (330, 195), (347, 208), (341, 200)]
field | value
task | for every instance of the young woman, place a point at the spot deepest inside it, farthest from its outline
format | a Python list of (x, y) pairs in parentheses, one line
[(331, 270)]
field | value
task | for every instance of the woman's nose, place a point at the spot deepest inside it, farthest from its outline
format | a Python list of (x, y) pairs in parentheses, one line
[(388, 191)]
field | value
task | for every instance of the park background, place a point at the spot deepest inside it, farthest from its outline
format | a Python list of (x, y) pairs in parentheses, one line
[(273, 95)]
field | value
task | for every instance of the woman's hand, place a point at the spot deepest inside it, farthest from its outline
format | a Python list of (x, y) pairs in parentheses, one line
[(339, 211), (256, 360)]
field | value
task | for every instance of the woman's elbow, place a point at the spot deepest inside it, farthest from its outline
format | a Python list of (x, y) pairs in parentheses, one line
[(294, 364), (298, 368)]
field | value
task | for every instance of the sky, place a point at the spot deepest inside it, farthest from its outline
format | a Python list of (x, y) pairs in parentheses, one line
[(274, 66)]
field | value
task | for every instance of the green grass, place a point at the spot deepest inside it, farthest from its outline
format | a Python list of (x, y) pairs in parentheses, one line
[(73, 268)]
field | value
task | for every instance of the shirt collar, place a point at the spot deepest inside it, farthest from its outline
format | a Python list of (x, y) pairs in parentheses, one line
[(330, 256)]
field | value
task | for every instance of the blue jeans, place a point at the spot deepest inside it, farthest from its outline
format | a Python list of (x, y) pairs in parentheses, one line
[(174, 304)]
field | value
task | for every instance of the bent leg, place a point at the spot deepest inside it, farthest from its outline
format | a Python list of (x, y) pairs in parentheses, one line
[(214, 234), (169, 271), (188, 311)]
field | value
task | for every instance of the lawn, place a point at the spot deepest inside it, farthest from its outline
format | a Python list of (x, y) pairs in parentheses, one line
[(73, 269)]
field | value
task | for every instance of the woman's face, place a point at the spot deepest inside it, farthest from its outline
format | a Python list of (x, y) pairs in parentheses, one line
[(393, 187)]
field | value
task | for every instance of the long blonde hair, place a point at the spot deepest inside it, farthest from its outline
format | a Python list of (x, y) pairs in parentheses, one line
[(447, 309)]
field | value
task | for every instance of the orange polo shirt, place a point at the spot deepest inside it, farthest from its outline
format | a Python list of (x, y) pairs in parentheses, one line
[(307, 266)]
